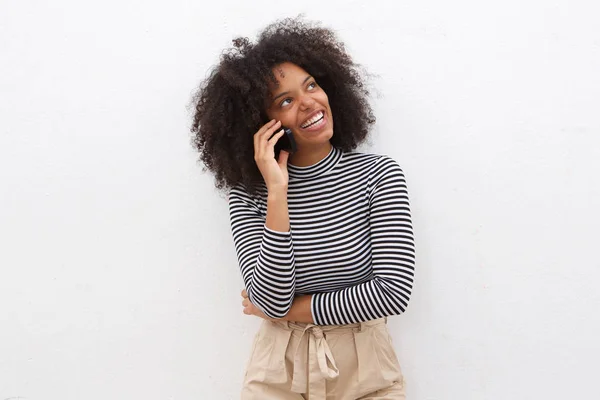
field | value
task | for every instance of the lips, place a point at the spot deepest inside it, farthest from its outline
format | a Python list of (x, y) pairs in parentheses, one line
[(313, 119)]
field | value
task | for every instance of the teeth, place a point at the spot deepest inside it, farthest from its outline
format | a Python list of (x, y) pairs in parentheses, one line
[(313, 120)]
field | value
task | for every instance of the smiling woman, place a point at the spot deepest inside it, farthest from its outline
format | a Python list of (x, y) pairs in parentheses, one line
[(324, 235), (302, 105), (231, 104)]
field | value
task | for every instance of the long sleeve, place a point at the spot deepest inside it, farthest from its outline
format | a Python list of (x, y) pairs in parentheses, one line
[(266, 257), (393, 256)]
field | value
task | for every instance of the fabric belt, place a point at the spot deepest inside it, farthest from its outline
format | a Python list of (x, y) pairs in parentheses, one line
[(321, 365)]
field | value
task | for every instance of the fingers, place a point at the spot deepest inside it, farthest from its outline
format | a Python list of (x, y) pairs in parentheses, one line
[(245, 302), (276, 137), (262, 130), (266, 130), (248, 307), (267, 126), (265, 135), (251, 309), (261, 138)]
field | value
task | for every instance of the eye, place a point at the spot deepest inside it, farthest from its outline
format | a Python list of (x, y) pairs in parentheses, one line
[(312, 85), (283, 103)]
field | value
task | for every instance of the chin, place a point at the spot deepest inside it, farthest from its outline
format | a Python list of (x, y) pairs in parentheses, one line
[(321, 138)]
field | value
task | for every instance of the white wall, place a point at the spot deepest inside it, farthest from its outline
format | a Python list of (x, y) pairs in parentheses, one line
[(117, 273)]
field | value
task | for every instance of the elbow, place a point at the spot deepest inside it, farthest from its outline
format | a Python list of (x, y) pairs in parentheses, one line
[(272, 309), (401, 304), (397, 303), (276, 313)]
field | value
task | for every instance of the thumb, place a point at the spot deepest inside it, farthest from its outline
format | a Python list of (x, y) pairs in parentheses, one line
[(283, 158)]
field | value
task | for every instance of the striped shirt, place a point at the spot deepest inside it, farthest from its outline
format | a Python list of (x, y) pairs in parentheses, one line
[(350, 242)]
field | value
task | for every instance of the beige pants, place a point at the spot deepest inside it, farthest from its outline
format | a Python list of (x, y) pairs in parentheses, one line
[(334, 362)]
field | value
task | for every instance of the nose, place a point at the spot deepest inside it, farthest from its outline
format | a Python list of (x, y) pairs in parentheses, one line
[(307, 102)]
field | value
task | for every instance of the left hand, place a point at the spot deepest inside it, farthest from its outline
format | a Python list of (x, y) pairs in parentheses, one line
[(251, 309)]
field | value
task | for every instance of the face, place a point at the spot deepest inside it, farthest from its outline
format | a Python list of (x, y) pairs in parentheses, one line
[(301, 105)]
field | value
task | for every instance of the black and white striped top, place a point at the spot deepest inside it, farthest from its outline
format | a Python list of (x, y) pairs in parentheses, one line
[(350, 242)]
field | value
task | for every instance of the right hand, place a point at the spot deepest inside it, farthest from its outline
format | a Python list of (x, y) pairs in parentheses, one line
[(274, 171), (251, 309)]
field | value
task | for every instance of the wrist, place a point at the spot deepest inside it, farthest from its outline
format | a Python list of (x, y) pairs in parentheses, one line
[(277, 193), (301, 310)]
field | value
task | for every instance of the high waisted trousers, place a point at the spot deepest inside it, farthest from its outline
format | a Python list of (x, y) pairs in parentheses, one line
[(293, 361)]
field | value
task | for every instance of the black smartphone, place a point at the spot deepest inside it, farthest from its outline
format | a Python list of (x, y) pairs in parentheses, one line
[(286, 142)]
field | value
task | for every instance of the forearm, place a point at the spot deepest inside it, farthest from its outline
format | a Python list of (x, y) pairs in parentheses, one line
[(278, 218), (376, 298), (300, 310), (273, 278), (265, 255)]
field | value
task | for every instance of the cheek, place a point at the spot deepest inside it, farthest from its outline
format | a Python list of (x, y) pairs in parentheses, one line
[(323, 99), (277, 116), (286, 117)]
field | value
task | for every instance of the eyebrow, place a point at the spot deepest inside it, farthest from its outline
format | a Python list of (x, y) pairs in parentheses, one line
[(284, 93)]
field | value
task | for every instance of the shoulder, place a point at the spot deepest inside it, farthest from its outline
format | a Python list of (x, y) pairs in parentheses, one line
[(371, 163), (380, 172), (240, 194)]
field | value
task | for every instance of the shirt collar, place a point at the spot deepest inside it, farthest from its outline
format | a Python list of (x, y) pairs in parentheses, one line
[(318, 169)]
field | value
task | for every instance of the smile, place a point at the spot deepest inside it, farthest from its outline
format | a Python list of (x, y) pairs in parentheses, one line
[(314, 121)]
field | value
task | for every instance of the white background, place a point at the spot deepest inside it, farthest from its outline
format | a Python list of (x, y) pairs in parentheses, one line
[(118, 278)]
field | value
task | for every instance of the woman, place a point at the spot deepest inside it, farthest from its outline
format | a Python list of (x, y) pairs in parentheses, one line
[(323, 236)]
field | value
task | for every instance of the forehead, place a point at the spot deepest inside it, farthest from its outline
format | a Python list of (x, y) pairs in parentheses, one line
[(287, 74)]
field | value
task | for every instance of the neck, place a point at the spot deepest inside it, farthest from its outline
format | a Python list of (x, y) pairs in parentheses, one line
[(310, 156)]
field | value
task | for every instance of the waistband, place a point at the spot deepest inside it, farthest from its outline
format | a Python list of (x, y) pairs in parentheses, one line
[(321, 365), (356, 327)]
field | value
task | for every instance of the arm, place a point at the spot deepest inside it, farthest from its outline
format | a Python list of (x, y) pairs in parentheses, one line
[(393, 257), (278, 218), (299, 311), (265, 253)]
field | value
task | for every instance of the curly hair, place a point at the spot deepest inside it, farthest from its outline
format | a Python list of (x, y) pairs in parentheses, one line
[(230, 103)]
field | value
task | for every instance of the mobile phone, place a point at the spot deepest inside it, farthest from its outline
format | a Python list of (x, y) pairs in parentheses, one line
[(286, 142)]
